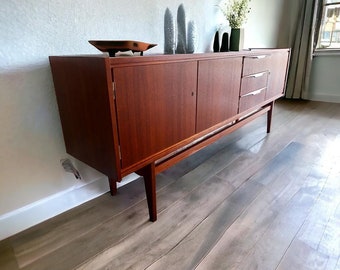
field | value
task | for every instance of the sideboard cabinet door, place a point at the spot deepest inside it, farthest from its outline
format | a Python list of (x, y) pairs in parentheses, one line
[(218, 91), (278, 73), (156, 107)]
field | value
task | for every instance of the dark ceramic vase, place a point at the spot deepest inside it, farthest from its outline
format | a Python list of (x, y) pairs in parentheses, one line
[(235, 39), (225, 41), (216, 45)]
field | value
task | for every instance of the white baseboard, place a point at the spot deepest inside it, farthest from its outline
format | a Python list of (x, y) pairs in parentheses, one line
[(39, 211), (325, 97)]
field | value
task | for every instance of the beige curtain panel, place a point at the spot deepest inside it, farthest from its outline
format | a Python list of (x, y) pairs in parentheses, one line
[(306, 19)]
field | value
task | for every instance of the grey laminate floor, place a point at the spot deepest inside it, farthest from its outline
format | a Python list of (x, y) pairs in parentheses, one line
[(249, 201)]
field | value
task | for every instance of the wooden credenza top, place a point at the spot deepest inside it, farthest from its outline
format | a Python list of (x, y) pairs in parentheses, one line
[(148, 58)]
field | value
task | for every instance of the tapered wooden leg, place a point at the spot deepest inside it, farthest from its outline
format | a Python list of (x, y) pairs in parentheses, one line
[(148, 172), (113, 186), (269, 117)]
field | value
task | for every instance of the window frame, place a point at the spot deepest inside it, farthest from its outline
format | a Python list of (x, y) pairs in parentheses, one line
[(320, 50)]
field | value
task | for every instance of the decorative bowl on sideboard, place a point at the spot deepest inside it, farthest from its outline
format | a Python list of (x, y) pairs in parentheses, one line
[(114, 46)]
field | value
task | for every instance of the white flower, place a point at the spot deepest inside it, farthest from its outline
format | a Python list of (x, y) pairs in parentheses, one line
[(235, 11)]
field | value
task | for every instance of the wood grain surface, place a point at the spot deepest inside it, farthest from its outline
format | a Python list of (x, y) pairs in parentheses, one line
[(251, 200)]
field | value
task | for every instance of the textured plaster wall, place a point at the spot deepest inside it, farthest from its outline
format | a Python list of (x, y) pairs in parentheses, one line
[(31, 140)]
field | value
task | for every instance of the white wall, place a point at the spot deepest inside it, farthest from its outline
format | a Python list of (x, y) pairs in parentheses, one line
[(31, 141), (265, 27), (325, 79)]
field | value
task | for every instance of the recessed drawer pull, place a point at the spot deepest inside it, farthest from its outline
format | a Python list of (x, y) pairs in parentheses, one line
[(258, 56), (254, 93), (257, 75)]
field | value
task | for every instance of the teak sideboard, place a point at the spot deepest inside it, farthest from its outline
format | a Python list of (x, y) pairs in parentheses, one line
[(145, 113)]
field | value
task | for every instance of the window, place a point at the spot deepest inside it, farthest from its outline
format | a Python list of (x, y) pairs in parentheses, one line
[(330, 25)]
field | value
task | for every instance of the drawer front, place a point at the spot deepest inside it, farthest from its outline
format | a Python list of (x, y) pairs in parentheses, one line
[(255, 64), (254, 82), (252, 99)]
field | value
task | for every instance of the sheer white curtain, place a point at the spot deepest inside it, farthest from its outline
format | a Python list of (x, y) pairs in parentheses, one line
[(305, 23)]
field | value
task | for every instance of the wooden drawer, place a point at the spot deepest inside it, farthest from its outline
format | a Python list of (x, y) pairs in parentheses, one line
[(254, 82), (255, 64), (252, 99)]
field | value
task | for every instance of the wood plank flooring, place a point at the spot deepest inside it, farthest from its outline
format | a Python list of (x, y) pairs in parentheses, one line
[(248, 201)]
